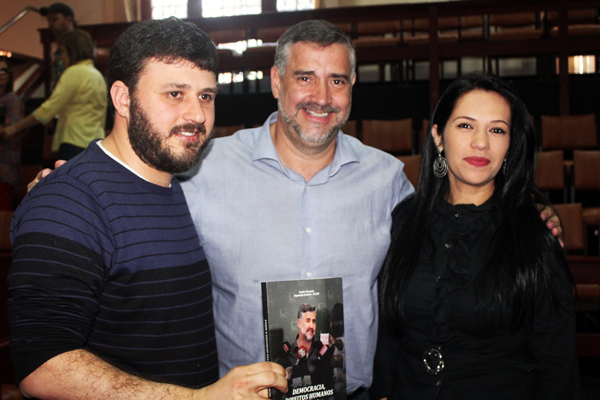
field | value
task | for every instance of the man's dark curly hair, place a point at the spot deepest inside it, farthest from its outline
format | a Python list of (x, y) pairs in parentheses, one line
[(169, 40)]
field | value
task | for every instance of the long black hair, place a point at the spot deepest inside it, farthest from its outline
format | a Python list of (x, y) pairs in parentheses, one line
[(523, 247)]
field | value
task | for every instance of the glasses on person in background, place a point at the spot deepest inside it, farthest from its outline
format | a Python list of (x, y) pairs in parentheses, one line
[(3, 71)]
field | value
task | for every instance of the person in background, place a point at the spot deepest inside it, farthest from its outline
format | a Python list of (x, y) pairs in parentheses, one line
[(79, 99), (475, 294), (61, 19), (11, 111)]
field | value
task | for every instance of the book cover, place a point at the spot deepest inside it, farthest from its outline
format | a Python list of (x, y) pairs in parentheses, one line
[(304, 332)]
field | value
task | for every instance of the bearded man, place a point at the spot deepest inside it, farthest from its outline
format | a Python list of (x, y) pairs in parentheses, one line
[(111, 293)]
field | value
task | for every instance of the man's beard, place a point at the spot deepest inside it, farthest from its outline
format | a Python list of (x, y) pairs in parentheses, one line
[(309, 334), (324, 136), (152, 148)]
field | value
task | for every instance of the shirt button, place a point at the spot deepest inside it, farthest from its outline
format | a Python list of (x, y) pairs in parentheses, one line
[(438, 278), (308, 230), (448, 246), (438, 383), (308, 274), (457, 215)]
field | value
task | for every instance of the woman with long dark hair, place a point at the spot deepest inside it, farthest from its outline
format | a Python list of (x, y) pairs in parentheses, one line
[(11, 111), (475, 295)]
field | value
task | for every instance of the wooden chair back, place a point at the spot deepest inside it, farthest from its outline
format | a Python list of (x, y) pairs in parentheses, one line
[(569, 132), (549, 174), (412, 167), (571, 220), (393, 136), (349, 128)]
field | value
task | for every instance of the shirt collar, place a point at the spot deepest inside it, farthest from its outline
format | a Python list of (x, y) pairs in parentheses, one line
[(87, 61), (265, 149)]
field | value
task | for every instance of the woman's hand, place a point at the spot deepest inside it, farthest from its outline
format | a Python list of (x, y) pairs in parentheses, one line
[(552, 222)]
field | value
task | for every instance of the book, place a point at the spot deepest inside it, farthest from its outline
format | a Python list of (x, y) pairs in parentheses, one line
[(304, 332)]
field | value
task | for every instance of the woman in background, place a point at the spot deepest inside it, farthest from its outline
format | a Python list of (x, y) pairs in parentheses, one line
[(476, 296), (79, 99), (11, 111)]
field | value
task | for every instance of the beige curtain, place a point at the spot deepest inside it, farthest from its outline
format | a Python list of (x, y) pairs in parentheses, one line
[(132, 10)]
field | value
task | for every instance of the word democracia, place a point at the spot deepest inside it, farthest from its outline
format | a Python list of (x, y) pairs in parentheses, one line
[(310, 392)]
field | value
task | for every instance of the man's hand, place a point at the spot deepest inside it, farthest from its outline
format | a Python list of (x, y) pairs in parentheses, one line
[(552, 222), (248, 382), (78, 374), (43, 173)]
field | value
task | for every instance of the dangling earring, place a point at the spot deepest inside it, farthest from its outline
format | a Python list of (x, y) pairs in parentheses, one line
[(440, 165), (504, 167)]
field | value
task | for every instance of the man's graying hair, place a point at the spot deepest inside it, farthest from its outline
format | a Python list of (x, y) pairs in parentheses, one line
[(321, 33), (304, 308)]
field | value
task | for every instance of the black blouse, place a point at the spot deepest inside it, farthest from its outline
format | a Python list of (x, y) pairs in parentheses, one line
[(453, 346)]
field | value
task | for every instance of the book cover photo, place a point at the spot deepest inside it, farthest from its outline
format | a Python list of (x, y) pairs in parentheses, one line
[(304, 332)]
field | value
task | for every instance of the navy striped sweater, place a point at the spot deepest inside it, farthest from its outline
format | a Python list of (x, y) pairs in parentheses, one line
[(108, 262)]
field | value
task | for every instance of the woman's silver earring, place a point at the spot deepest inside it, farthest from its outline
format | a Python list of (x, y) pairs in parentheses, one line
[(440, 165), (504, 167)]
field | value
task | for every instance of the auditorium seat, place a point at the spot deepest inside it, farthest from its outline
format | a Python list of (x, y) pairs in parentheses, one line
[(586, 189), (569, 132), (416, 31), (514, 26), (412, 167), (270, 35), (571, 221), (586, 177), (393, 136), (450, 29), (586, 274), (349, 128), (550, 173), (580, 23), (377, 34), (269, 38), (228, 36)]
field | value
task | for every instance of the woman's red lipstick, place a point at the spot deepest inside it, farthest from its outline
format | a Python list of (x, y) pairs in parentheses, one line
[(477, 161)]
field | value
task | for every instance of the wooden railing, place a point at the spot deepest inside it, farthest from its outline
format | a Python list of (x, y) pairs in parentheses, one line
[(434, 50)]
